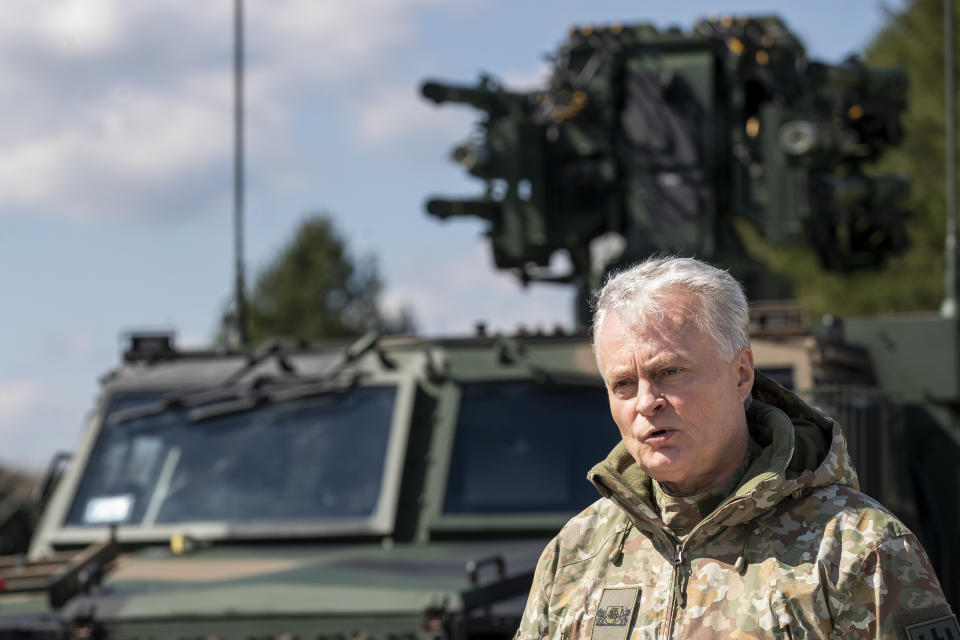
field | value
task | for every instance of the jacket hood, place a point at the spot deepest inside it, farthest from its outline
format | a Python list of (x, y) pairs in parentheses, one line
[(801, 450)]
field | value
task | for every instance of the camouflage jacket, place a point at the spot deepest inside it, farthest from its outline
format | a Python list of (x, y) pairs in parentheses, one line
[(795, 552)]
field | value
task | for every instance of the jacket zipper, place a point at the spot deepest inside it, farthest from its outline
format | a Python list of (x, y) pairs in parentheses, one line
[(677, 559), (678, 554), (674, 589)]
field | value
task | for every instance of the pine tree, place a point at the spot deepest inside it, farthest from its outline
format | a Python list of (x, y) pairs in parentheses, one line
[(314, 289)]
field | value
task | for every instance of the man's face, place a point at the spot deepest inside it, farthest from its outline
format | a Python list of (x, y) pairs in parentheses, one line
[(677, 402)]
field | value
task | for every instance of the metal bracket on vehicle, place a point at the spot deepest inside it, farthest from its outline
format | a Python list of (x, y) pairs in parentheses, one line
[(474, 566), (83, 571)]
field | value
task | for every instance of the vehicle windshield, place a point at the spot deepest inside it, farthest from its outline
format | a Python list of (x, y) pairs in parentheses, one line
[(291, 460), (523, 447)]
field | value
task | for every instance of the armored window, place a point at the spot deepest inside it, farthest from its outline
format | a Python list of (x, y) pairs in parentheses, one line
[(523, 447), (314, 458)]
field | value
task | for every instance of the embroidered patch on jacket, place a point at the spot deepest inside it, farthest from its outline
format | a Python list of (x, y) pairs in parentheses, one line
[(944, 628), (615, 613)]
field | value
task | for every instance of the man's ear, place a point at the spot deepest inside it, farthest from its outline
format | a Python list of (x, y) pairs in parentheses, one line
[(744, 362)]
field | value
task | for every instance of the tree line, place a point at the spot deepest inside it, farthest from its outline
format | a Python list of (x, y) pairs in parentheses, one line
[(911, 39)]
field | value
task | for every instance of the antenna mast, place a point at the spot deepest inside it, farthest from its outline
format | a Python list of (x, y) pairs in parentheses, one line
[(240, 318)]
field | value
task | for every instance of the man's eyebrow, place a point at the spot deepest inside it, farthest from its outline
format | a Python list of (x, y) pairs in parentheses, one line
[(668, 360), (618, 372)]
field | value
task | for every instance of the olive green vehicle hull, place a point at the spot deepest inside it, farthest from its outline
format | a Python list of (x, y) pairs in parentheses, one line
[(434, 557), (345, 590), (446, 549)]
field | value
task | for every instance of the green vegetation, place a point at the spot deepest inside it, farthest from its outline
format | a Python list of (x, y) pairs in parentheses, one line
[(314, 290), (19, 510), (912, 40)]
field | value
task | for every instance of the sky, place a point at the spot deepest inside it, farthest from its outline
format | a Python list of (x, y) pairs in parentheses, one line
[(116, 165)]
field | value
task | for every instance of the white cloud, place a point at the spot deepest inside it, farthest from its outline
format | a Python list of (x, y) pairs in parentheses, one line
[(80, 26), (401, 114), (125, 109), (333, 38), (135, 140), (527, 79), (453, 299), (18, 398)]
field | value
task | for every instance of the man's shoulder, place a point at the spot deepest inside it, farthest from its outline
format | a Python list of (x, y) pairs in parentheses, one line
[(869, 555), (842, 511), (584, 534), (846, 501)]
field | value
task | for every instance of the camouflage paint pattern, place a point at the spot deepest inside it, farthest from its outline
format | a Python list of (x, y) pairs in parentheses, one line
[(795, 552)]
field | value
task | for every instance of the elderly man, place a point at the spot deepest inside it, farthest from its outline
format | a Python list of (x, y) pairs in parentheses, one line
[(730, 509)]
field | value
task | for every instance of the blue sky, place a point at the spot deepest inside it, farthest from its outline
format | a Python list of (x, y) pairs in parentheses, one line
[(116, 164)]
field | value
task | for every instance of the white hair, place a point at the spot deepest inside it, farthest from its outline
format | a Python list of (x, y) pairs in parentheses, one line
[(637, 294)]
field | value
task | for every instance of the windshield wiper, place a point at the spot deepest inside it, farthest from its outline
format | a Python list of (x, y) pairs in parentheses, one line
[(509, 351), (229, 389), (369, 341), (269, 349), (296, 388), (246, 396), (277, 393), (173, 401)]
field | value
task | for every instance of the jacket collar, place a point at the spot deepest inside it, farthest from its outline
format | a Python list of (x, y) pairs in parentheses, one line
[(801, 450)]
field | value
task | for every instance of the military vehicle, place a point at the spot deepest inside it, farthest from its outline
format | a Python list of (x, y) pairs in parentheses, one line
[(396, 488), (645, 141), (401, 487)]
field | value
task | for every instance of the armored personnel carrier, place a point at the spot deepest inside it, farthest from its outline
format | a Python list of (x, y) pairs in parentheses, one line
[(394, 488), (401, 487)]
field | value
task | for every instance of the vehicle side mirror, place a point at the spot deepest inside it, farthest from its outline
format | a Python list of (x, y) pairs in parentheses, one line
[(50, 479)]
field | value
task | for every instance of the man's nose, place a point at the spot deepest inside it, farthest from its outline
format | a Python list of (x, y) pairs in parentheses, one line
[(649, 399)]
